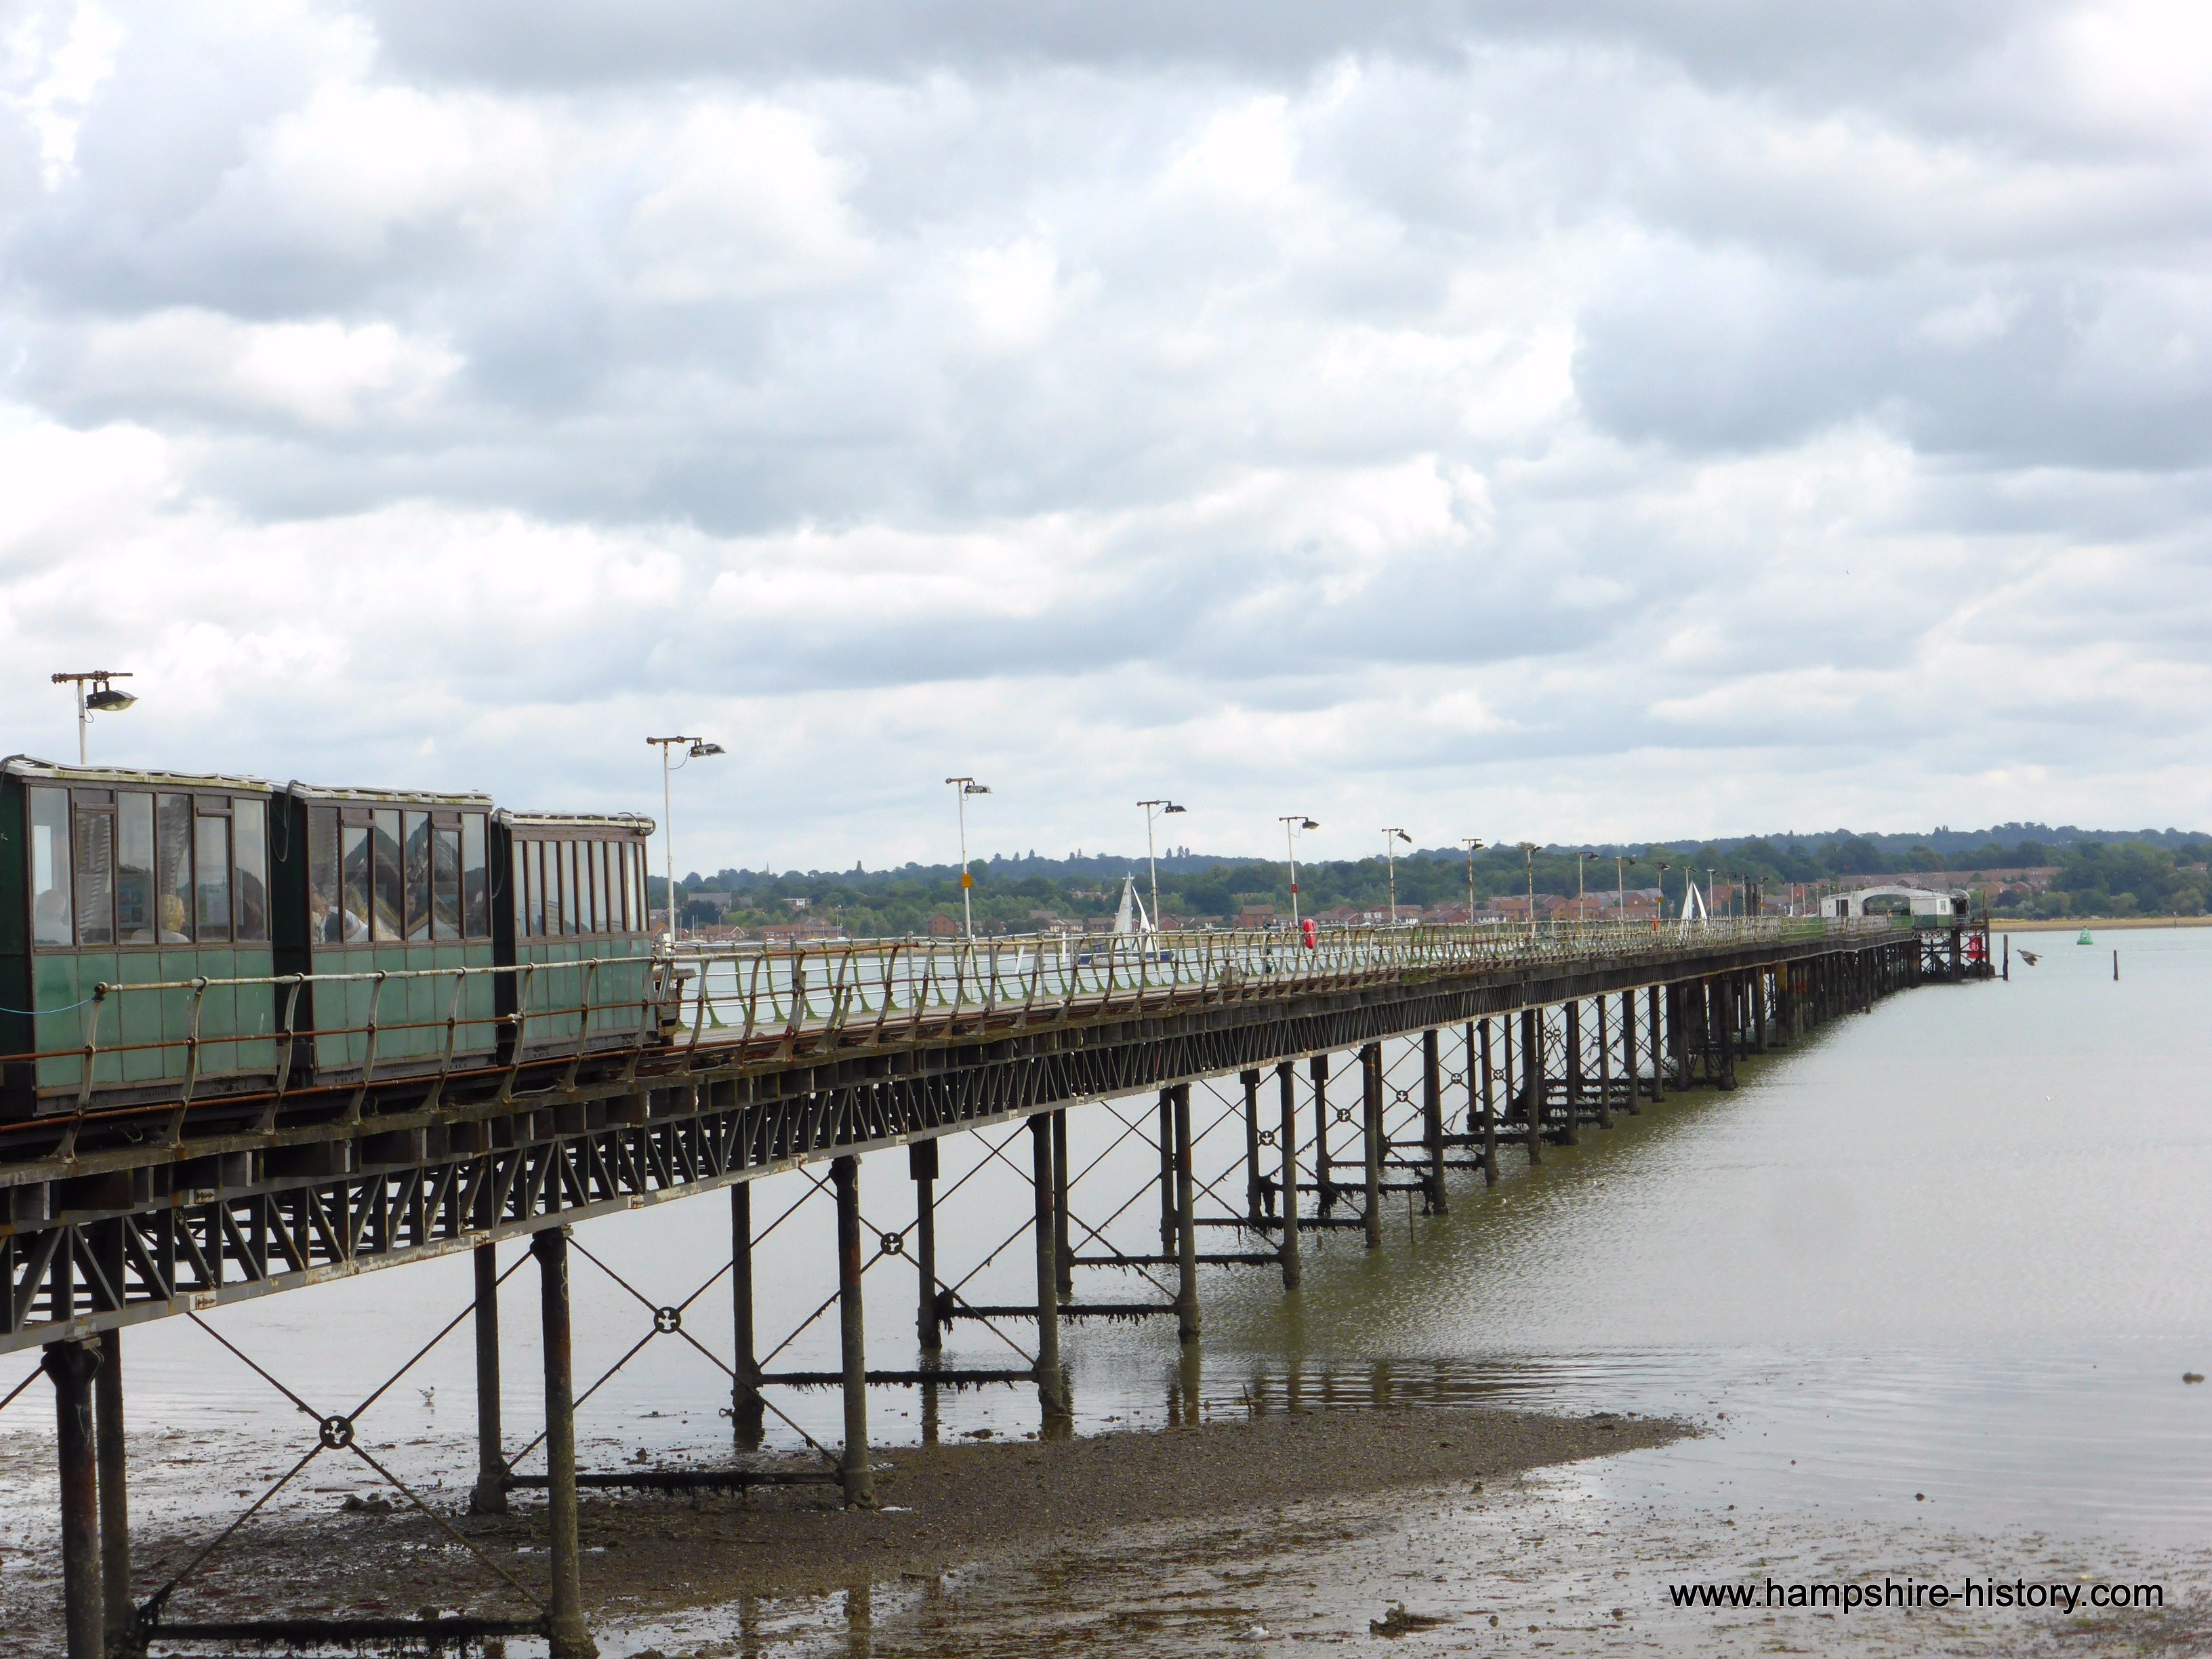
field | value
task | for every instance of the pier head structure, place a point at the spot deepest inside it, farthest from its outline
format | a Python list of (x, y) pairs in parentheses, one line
[(180, 1140)]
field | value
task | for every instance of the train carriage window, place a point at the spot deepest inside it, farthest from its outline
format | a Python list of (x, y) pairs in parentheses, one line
[(249, 823), (134, 868), (595, 884), (386, 894), (173, 869), (445, 883), (530, 872), (357, 871), (621, 868), (643, 900), (95, 878), (325, 908), (549, 855), (211, 876), (518, 864), (476, 880), (603, 887), (415, 843), (572, 906), (50, 867)]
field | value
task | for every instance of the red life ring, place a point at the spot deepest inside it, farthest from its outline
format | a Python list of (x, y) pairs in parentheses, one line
[(1308, 933)]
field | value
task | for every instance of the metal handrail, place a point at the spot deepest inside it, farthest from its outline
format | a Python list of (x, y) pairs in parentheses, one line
[(875, 990)]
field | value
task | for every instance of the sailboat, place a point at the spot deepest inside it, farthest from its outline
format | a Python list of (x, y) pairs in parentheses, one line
[(1133, 924)]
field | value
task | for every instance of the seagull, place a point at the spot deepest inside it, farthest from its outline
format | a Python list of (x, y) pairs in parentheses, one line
[(2030, 957), (429, 1397)]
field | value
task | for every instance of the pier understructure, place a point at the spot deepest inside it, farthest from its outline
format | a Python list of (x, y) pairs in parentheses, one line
[(1274, 1095)]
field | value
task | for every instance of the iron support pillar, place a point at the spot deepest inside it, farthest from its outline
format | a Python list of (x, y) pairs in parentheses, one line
[(921, 1165), (119, 1618), (1759, 1010), (1371, 1101), (1063, 1242), (748, 1412), (71, 1366), (1253, 1212), (1604, 1064), (1532, 1083), (1167, 1172), (1654, 1028), (1432, 1117), (1287, 1085), (570, 1639), (1628, 1051), (489, 1496), (1186, 1225), (1572, 1037), (1730, 999), (1323, 1183), (1050, 1395), (1489, 1107), (852, 1335)]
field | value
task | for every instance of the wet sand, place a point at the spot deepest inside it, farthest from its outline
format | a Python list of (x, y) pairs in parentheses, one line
[(1292, 1530), (648, 1557)]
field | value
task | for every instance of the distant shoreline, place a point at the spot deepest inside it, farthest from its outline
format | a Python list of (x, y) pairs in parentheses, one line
[(2061, 924)]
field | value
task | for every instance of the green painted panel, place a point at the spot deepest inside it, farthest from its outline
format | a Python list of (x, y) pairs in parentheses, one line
[(140, 1015), (55, 986)]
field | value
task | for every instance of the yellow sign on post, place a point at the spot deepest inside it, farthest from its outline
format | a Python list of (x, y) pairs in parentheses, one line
[(967, 878)]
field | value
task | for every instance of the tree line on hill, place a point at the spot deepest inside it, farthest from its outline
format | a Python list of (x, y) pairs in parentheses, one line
[(2074, 873)]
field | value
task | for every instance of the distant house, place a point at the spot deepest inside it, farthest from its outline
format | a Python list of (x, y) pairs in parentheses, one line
[(1256, 915), (944, 927)]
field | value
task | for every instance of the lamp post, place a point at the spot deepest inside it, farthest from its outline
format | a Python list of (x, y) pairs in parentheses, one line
[(1391, 836), (1151, 808), (1293, 823), (1663, 869), (1473, 845), (962, 788), (695, 748), (1620, 863), (104, 699), (1529, 862), (1581, 860)]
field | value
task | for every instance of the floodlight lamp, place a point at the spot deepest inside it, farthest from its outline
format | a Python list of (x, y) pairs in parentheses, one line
[(1171, 807), (106, 700), (699, 750), (972, 787)]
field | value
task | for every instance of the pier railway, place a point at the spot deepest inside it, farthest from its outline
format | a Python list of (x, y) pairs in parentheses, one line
[(208, 1139)]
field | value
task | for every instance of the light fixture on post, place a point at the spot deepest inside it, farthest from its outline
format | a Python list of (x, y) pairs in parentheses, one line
[(1391, 836), (1151, 808), (694, 748), (102, 699), (1293, 823), (963, 788)]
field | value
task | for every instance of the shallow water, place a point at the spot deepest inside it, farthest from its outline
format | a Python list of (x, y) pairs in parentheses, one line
[(1944, 1265)]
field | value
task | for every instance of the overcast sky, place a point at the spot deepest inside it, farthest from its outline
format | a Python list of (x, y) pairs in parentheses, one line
[(1541, 420)]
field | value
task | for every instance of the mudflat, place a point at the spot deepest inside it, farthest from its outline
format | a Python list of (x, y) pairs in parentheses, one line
[(940, 1507)]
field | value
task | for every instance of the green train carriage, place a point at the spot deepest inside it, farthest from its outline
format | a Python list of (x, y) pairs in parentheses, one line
[(576, 924), (115, 878), (111, 880), (381, 894)]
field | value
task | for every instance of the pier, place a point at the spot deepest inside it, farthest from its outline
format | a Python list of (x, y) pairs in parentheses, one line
[(1281, 1090)]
